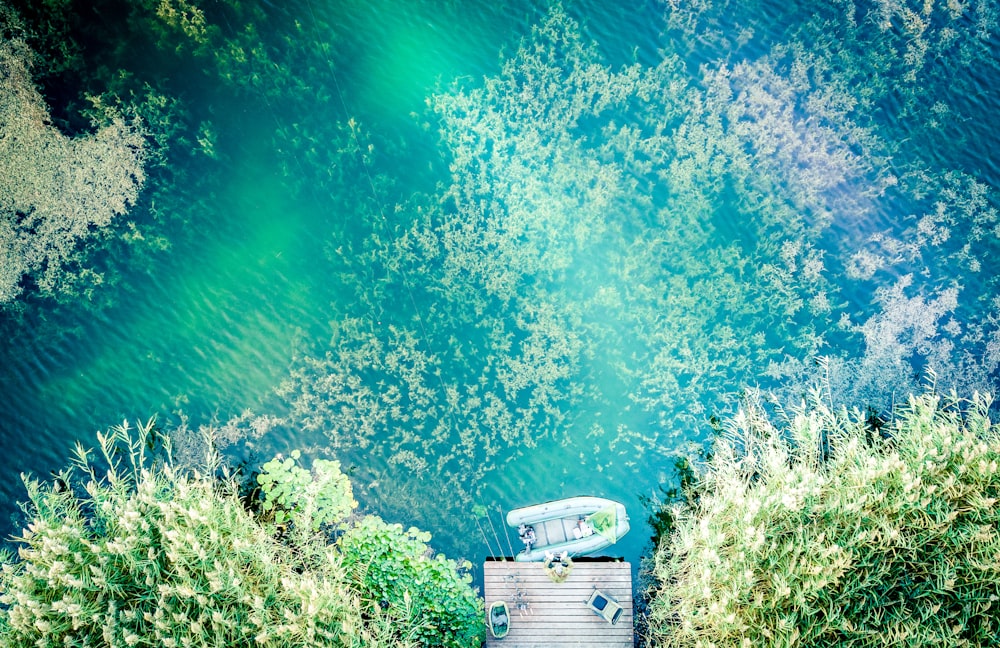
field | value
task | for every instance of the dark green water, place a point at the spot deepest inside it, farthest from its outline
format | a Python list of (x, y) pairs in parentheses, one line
[(549, 287)]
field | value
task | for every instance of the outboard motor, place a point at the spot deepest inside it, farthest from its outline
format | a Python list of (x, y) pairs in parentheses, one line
[(527, 535)]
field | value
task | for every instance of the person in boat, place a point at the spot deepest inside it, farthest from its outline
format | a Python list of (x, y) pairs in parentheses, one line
[(527, 535)]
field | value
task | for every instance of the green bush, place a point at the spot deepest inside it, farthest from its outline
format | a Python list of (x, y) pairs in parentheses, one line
[(394, 570), (308, 499), (828, 531), (397, 568), (126, 551)]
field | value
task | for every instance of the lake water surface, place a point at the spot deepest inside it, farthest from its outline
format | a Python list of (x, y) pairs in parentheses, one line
[(486, 277)]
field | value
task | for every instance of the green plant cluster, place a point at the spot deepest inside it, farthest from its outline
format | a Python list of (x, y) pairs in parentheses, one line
[(823, 530), (128, 551), (609, 243), (895, 77), (123, 86), (559, 289), (397, 568), (308, 499), (56, 191)]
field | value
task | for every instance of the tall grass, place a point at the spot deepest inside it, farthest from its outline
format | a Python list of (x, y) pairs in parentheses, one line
[(822, 530), (125, 551)]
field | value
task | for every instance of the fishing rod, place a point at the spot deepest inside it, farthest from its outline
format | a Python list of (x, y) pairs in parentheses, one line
[(482, 532), (489, 518), (512, 552)]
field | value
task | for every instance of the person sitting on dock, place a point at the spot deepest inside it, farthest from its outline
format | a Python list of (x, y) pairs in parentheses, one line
[(527, 535), (557, 565)]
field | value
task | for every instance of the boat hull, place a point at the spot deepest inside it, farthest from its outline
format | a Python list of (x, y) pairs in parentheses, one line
[(498, 619), (555, 525)]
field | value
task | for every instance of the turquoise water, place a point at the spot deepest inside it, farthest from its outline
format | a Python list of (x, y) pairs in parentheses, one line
[(549, 282)]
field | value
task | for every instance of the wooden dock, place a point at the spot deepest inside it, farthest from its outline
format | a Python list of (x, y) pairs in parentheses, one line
[(547, 614)]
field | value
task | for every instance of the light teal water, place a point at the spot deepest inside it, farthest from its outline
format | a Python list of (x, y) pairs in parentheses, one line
[(552, 308)]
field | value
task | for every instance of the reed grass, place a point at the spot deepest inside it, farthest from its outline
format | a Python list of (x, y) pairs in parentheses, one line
[(125, 550), (822, 530)]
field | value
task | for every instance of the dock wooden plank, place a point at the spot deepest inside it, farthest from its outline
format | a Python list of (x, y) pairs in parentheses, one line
[(550, 614)]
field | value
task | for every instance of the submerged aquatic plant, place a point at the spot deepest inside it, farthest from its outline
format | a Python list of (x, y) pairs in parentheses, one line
[(616, 248), (56, 191)]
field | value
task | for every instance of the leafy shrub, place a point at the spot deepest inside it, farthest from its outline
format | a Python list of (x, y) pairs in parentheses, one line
[(827, 532), (142, 554), (396, 567), (148, 556)]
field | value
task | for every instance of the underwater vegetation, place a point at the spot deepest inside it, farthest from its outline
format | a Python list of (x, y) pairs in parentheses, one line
[(593, 258), (616, 248), (56, 191), (133, 139)]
